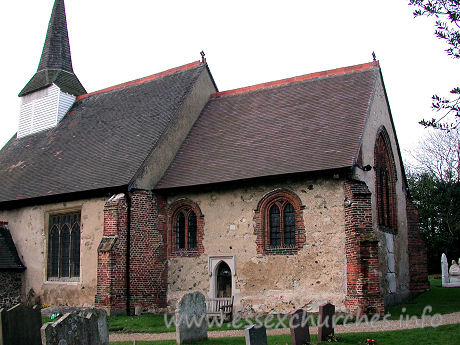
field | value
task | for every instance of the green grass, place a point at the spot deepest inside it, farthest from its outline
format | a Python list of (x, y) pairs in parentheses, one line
[(442, 300), (156, 324), (441, 335)]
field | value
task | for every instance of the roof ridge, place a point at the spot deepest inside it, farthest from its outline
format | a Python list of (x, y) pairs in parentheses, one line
[(143, 80), (287, 81)]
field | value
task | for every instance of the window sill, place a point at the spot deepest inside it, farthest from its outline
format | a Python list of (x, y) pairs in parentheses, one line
[(186, 253), (281, 251), (68, 281)]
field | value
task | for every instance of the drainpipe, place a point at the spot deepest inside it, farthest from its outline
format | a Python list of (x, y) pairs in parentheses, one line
[(128, 252)]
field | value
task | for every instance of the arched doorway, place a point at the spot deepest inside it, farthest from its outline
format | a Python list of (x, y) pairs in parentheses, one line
[(223, 280)]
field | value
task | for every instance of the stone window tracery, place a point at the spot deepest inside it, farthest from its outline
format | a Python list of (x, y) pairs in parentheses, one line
[(185, 229), (64, 246), (385, 183)]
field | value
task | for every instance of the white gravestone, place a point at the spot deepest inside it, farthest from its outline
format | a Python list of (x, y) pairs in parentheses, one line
[(450, 277)]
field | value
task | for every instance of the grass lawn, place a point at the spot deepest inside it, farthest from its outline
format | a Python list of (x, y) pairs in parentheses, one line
[(442, 335), (156, 324), (442, 300)]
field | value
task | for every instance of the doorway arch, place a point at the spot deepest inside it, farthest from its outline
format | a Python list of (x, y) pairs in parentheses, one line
[(223, 280)]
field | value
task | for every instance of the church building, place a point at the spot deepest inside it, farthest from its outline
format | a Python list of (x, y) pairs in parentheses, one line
[(285, 194)]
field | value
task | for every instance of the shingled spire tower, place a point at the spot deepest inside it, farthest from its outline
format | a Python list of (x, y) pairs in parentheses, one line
[(52, 90)]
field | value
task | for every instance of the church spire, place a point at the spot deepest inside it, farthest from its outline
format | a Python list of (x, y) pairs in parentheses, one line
[(54, 88), (55, 65), (56, 51)]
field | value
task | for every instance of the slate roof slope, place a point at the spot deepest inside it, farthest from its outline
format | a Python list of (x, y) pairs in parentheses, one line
[(9, 258), (56, 62), (302, 124), (101, 142)]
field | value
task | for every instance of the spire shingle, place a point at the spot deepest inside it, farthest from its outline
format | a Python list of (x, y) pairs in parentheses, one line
[(55, 65)]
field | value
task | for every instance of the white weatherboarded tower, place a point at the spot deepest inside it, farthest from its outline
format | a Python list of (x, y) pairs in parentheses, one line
[(53, 89)]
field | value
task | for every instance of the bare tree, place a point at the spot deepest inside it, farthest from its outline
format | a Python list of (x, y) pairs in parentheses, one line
[(438, 154)]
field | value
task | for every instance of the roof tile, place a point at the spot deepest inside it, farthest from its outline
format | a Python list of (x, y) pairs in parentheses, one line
[(277, 128)]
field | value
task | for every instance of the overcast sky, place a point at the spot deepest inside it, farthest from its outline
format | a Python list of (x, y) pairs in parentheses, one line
[(246, 43)]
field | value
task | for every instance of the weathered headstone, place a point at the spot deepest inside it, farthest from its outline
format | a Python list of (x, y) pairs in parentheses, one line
[(255, 335), (300, 333), (325, 321), (191, 323), (20, 325), (72, 329), (102, 324)]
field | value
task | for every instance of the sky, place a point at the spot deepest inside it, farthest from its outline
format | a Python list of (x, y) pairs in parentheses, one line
[(246, 43)]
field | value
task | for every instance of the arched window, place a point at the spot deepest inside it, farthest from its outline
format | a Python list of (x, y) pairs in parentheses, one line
[(64, 246), (279, 223), (385, 183), (185, 229), (282, 224), (185, 226)]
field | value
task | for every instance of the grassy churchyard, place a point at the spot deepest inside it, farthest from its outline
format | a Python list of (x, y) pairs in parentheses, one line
[(447, 334), (442, 301)]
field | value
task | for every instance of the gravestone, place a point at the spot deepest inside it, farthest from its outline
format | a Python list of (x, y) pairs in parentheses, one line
[(72, 329), (300, 333), (102, 324), (450, 276), (325, 321), (255, 335), (191, 323), (20, 325), (444, 269)]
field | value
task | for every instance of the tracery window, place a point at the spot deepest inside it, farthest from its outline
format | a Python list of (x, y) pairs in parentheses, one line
[(185, 229), (279, 223), (385, 183), (64, 246), (282, 224)]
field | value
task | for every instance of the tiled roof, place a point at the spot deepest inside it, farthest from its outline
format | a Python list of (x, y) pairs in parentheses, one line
[(67, 82), (101, 142), (55, 63), (9, 258), (302, 124)]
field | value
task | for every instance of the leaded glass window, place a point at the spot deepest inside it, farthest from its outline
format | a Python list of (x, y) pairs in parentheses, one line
[(64, 246), (289, 226), (192, 230), (281, 222), (186, 229), (275, 226)]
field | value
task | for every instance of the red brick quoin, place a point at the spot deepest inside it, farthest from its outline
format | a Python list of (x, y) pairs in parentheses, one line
[(148, 254), (361, 250), (172, 212), (261, 218)]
